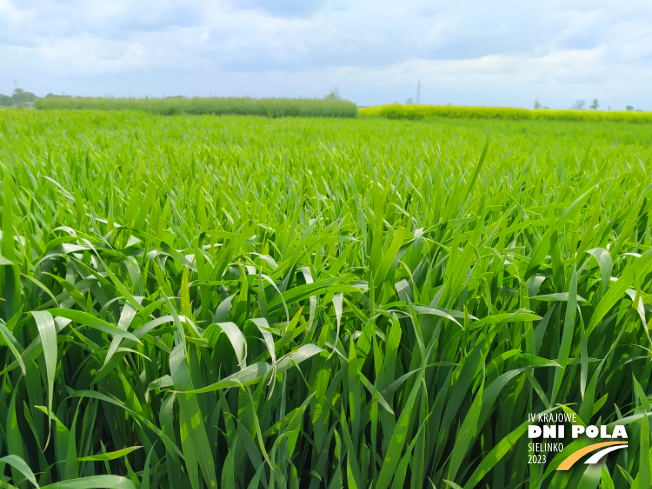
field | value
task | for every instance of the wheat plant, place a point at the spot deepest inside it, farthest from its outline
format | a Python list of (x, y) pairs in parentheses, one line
[(194, 301)]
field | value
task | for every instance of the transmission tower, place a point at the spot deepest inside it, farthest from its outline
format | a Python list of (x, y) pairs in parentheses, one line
[(418, 91), (16, 83)]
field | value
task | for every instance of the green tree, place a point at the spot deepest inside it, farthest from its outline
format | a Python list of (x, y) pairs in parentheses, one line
[(334, 94), (21, 96), (595, 104), (537, 104), (6, 101), (629, 108), (578, 105)]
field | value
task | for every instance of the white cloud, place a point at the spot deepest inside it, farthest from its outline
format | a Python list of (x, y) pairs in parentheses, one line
[(499, 53)]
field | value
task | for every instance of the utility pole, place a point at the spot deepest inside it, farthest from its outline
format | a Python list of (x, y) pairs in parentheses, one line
[(16, 83), (418, 91)]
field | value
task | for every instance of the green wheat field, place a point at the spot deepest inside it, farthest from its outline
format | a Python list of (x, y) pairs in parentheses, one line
[(193, 301)]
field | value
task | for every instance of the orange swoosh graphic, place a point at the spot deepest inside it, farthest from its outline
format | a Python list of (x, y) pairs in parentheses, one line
[(574, 457)]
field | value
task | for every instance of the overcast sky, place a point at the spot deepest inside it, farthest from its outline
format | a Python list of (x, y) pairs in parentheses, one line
[(504, 52)]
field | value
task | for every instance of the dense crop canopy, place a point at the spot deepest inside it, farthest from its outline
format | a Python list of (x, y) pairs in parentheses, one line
[(194, 301), (418, 112), (269, 107)]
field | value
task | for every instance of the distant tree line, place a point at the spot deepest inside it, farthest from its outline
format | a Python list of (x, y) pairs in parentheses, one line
[(19, 98), (581, 105)]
